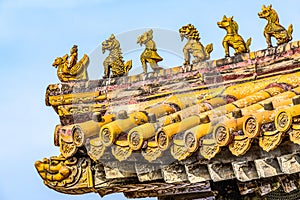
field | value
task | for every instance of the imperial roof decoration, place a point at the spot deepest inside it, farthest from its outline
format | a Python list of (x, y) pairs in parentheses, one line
[(231, 124)]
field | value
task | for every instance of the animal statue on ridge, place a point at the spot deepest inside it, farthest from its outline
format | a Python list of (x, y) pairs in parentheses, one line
[(232, 38), (149, 55), (114, 62), (194, 46), (68, 69), (273, 28)]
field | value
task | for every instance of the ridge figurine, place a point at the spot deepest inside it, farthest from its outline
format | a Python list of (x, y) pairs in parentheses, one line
[(273, 28), (149, 55), (114, 65), (68, 69), (232, 38), (193, 45)]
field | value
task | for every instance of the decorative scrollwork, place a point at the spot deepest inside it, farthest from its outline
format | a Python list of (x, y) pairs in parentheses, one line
[(190, 142), (136, 141), (270, 140), (152, 153), (240, 145), (67, 147), (163, 140), (78, 137), (95, 149), (209, 150), (295, 134), (179, 152), (251, 127), (222, 135), (283, 121), (121, 153), (72, 175), (106, 136)]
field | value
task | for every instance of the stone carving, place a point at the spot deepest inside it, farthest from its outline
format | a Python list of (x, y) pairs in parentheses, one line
[(273, 28), (232, 38), (114, 65), (267, 167), (290, 163), (174, 173), (194, 46), (149, 55), (197, 172), (244, 171), (220, 171)]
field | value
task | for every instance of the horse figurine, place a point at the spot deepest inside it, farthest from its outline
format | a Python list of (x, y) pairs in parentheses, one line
[(75, 72), (232, 38), (149, 55), (193, 45), (114, 61), (273, 28)]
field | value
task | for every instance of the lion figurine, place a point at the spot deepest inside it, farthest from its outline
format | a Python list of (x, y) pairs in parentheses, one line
[(273, 28), (149, 55), (193, 45), (232, 38), (114, 62)]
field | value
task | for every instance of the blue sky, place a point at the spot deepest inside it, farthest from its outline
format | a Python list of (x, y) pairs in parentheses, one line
[(34, 32)]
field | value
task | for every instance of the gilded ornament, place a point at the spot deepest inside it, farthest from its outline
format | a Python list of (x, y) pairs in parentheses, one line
[(222, 135), (179, 152), (232, 38), (209, 148), (240, 145), (294, 134), (114, 65), (71, 175), (273, 28), (283, 121), (193, 46), (68, 69), (149, 55), (270, 140)]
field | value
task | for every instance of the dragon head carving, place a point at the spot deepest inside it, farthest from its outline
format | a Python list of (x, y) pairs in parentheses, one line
[(64, 174)]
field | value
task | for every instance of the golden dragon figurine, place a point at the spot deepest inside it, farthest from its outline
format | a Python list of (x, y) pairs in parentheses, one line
[(114, 62), (193, 45), (273, 28), (232, 38), (68, 69), (149, 55)]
